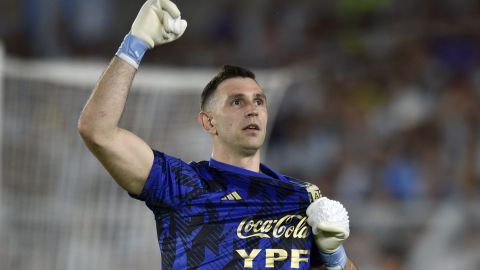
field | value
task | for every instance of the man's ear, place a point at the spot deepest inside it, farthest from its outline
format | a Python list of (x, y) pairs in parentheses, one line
[(205, 120)]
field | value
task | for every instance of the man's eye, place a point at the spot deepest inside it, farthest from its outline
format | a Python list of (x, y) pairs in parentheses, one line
[(236, 102), (259, 102)]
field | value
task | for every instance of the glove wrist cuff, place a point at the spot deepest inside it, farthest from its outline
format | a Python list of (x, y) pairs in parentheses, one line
[(336, 260), (132, 50)]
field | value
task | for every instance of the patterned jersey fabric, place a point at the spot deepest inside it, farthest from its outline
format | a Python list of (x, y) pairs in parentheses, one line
[(211, 215)]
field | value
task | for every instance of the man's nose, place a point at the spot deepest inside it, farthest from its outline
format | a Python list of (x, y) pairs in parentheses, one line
[(252, 110), (252, 113)]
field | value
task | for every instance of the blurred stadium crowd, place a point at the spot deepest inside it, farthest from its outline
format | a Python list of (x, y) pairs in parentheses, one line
[(385, 105), (385, 100)]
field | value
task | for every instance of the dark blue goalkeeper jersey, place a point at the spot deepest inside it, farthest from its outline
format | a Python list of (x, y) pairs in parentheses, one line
[(211, 215)]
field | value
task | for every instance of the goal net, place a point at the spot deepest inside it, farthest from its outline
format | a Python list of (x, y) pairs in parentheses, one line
[(59, 209)]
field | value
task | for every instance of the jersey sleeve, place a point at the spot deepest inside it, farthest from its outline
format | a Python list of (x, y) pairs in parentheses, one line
[(171, 181)]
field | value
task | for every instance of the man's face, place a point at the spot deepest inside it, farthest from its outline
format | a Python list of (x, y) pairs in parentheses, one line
[(239, 114)]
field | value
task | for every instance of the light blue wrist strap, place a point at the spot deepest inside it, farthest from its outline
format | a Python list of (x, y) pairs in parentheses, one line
[(132, 50), (336, 260)]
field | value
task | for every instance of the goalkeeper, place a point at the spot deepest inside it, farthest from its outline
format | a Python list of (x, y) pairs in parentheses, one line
[(232, 211)]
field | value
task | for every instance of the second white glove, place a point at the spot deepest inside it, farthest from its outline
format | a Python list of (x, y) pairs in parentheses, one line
[(330, 226)]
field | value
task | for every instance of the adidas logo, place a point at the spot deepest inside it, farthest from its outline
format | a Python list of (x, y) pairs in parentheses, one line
[(234, 196)]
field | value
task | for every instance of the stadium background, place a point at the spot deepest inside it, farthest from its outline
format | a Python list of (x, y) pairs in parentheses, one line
[(375, 101)]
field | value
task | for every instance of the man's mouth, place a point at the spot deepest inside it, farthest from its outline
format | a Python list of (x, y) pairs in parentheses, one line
[(252, 127)]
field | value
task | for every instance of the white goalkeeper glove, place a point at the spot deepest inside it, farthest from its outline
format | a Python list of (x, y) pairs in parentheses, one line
[(330, 227), (157, 22)]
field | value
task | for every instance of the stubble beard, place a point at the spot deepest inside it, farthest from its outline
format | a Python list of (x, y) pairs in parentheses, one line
[(248, 147), (244, 145)]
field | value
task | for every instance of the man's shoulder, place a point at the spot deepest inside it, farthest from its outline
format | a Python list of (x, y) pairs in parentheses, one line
[(175, 167), (174, 161)]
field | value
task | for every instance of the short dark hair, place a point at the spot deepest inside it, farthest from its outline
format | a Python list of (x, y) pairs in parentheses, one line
[(227, 72)]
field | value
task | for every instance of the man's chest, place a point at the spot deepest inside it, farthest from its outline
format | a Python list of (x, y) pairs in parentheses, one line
[(252, 223)]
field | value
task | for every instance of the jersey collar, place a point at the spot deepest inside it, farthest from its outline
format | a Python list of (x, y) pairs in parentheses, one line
[(266, 171)]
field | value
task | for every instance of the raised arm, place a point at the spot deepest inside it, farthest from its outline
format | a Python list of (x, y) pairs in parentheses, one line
[(124, 155)]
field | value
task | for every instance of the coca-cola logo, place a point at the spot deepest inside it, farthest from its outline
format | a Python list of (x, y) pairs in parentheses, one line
[(288, 226)]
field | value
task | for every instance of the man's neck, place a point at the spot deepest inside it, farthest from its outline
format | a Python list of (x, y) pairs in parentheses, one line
[(248, 162)]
